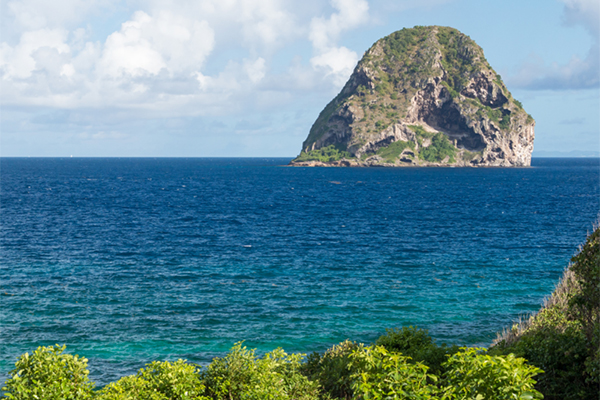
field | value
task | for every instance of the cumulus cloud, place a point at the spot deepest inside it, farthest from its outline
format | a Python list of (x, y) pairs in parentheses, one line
[(337, 62), (156, 60), (147, 45), (33, 52), (152, 56), (578, 73)]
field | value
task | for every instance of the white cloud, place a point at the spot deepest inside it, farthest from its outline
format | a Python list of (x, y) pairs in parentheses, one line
[(258, 25), (255, 69), (578, 73), (20, 61), (156, 59), (337, 62), (130, 52), (146, 45)]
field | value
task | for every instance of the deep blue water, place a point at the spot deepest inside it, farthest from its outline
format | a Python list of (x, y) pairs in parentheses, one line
[(132, 260)]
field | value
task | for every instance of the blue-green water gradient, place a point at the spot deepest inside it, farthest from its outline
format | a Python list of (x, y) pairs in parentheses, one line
[(133, 260)]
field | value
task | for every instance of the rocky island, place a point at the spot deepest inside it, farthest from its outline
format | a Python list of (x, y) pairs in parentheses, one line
[(424, 96)]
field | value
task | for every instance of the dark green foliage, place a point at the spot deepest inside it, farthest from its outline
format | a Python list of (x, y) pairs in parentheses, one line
[(562, 338), (440, 148), (48, 374), (561, 355), (584, 306), (504, 122), (459, 54), (417, 344), (332, 370), (406, 340), (585, 303), (324, 154)]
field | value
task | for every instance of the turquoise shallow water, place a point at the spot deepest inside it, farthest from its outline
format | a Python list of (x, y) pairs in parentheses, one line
[(132, 260)]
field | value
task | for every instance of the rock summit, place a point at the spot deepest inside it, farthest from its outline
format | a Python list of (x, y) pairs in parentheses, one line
[(424, 96)]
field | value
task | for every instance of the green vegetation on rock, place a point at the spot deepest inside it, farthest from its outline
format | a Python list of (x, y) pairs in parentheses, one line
[(439, 148), (324, 154), (392, 152)]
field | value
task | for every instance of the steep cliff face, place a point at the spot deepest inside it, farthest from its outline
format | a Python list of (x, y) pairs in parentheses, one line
[(422, 96)]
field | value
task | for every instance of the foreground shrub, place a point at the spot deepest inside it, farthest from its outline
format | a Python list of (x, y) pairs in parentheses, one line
[(158, 381), (332, 370), (563, 337), (49, 374), (130, 388), (561, 353), (241, 375), (584, 305), (472, 374), (418, 345), (385, 375)]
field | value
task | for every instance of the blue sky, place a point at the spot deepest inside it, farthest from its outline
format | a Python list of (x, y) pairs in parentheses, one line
[(213, 78)]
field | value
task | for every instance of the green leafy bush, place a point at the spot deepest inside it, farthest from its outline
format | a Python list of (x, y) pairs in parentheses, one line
[(504, 123), (472, 374), (332, 370), (561, 355), (49, 374), (562, 338), (130, 388), (159, 380), (418, 345), (440, 148), (584, 306), (387, 375), (241, 375)]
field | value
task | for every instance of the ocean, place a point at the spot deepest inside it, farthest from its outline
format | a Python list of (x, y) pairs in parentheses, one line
[(131, 260)]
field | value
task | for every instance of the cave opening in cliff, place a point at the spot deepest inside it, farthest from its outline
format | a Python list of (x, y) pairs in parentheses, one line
[(448, 119)]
